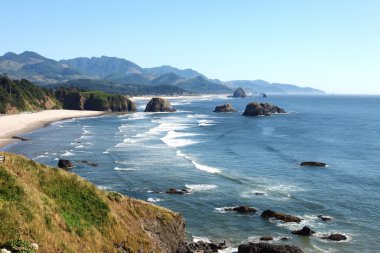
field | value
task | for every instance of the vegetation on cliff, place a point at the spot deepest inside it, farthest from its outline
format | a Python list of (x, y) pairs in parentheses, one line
[(61, 212), (22, 95)]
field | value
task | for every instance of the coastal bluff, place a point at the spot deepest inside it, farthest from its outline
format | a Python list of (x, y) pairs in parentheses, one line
[(61, 212)]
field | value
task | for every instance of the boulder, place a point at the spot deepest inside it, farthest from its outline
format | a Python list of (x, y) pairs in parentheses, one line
[(335, 237), (305, 231), (241, 209), (267, 248), (313, 164), (224, 108), (266, 238), (279, 216), (176, 191), (64, 164), (325, 218), (159, 105), (239, 93), (201, 246), (262, 109)]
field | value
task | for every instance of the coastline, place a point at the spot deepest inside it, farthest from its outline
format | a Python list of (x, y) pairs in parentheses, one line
[(21, 123)]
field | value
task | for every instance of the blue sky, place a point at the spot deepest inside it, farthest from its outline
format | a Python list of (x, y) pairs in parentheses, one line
[(333, 45)]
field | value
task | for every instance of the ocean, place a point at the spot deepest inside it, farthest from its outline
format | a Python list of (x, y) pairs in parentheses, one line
[(226, 160)]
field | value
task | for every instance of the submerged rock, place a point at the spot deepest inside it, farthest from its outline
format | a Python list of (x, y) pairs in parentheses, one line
[(89, 163), (20, 138), (239, 93), (313, 164), (325, 218), (279, 216), (262, 109), (64, 164), (305, 231), (335, 237), (159, 105), (241, 209), (201, 246), (267, 248), (176, 191), (266, 238), (224, 108)]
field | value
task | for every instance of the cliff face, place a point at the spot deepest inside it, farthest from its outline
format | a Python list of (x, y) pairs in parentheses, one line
[(94, 101), (61, 212)]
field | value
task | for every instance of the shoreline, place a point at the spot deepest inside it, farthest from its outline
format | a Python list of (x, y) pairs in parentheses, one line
[(21, 123)]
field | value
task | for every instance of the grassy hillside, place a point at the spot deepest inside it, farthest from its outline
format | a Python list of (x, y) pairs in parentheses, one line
[(22, 95), (61, 212)]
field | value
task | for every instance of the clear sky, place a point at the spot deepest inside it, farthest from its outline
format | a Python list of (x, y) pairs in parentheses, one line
[(333, 45)]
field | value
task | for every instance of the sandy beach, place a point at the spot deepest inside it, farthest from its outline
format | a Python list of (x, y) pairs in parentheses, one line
[(17, 124)]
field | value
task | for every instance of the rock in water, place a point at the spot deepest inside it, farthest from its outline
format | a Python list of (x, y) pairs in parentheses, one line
[(64, 164), (224, 108), (313, 164), (335, 237), (159, 105), (176, 191), (325, 218), (279, 216), (267, 248), (20, 138), (200, 246), (305, 231), (239, 93), (262, 109), (266, 238), (241, 209)]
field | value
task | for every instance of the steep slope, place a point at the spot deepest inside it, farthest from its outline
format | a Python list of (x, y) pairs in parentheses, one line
[(61, 212), (185, 73), (124, 78), (201, 85), (169, 78), (100, 67), (22, 95)]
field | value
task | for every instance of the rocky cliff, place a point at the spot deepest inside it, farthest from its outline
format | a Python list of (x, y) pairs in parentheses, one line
[(61, 212), (159, 105)]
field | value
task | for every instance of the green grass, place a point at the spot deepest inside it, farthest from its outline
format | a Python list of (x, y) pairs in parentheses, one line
[(9, 190)]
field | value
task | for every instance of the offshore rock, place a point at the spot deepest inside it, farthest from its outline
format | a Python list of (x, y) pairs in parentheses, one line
[(267, 248), (241, 209), (335, 237), (262, 109), (224, 108), (305, 231), (239, 93), (159, 105), (64, 164), (201, 246), (313, 164), (279, 216)]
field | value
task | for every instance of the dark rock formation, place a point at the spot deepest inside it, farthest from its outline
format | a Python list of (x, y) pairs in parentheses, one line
[(159, 105), (259, 193), (305, 231), (64, 164), (200, 246), (335, 237), (266, 238), (89, 163), (224, 108), (239, 93), (324, 218), (20, 138), (261, 109), (176, 191), (313, 164), (279, 216), (284, 238), (241, 209), (267, 248)]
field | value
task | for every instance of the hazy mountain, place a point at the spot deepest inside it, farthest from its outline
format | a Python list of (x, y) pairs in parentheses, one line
[(169, 78), (201, 85), (124, 78), (102, 66), (185, 73), (261, 86)]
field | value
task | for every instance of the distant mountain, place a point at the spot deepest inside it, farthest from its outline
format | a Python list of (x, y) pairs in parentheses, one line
[(201, 85), (185, 73), (101, 67), (261, 86), (117, 72)]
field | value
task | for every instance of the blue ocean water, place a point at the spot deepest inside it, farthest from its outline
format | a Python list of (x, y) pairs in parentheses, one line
[(224, 160)]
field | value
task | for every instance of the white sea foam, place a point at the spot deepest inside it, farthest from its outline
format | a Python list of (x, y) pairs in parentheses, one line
[(154, 200), (68, 153), (223, 209), (198, 165), (200, 187), (197, 116), (206, 122), (228, 250), (201, 238), (173, 139), (104, 187), (39, 157), (125, 169)]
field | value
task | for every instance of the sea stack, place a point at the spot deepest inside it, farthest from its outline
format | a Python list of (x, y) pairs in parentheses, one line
[(239, 93), (262, 109), (224, 108), (159, 105)]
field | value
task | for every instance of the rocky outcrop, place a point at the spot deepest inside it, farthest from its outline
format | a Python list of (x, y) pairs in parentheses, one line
[(305, 231), (224, 108), (313, 164), (64, 164), (176, 191), (20, 138), (335, 237), (200, 246), (279, 216), (241, 209), (262, 109), (159, 105), (324, 217), (266, 238), (239, 93), (267, 248)]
